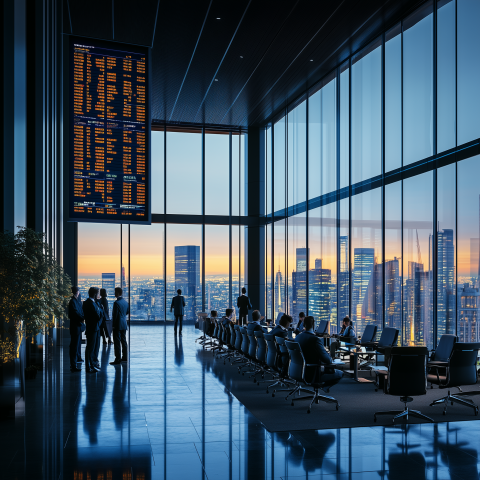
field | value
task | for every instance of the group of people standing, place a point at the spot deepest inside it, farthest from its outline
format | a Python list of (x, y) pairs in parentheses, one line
[(92, 316)]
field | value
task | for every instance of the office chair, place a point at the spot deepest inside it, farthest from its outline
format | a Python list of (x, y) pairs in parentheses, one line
[(273, 356), (369, 335), (203, 338), (261, 355), (460, 369), (207, 331), (296, 372), (245, 349), (388, 340), (283, 352), (322, 328), (442, 353), (407, 377), (239, 357)]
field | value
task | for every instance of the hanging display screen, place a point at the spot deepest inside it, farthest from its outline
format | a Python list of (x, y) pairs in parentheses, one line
[(109, 123)]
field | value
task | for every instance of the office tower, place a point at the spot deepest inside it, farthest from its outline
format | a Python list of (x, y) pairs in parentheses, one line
[(318, 263), (301, 259), (124, 283), (279, 296), (108, 283), (343, 280), (187, 277), (364, 259), (299, 283), (445, 282), (159, 293), (393, 294), (474, 261), (344, 261), (468, 328), (372, 305), (319, 298)]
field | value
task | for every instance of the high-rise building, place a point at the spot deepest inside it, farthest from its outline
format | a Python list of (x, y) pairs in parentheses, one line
[(159, 293), (187, 277), (108, 283), (301, 259), (319, 298), (445, 282), (393, 294), (468, 328), (318, 263), (299, 283), (279, 295), (363, 269), (343, 280)]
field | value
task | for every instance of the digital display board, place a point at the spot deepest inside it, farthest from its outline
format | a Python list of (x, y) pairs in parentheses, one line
[(109, 125)]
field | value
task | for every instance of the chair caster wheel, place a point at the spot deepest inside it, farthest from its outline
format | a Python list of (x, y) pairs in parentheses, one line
[(308, 411), (375, 418), (444, 412), (337, 406)]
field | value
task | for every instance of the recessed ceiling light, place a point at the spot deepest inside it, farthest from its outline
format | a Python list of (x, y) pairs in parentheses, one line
[(218, 18), (216, 79), (311, 60), (241, 56)]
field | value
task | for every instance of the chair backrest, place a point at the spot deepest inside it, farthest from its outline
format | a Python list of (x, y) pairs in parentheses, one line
[(238, 337), (252, 344), (389, 337), (369, 334), (217, 328), (231, 340), (463, 364), (407, 372), (272, 350), (226, 332), (297, 362), (261, 346), (444, 348), (281, 344), (220, 331), (279, 316), (243, 331), (322, 327), (207, 324)]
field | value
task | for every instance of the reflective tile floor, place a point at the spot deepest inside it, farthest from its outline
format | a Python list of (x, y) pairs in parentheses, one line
[(165, 415)]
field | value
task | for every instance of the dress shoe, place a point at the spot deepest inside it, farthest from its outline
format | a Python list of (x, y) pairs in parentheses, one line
[(75, 369), (116, 362), (97, 369), (97, 364), (80, 361)]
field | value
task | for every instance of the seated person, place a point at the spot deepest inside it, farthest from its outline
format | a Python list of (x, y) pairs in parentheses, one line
[(255, 323), (213, 319), (314, 353), (281, 330), (227, 319), (300, 325), (347, 335)]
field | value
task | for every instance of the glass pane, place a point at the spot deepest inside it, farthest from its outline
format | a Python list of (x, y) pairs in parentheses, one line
[(367, 281), (243, 186), (279, 267), (184, 173), (367, 113), (468, 194), (184, 269), (147, 275), (98, 257), (297, 266), (344, 126), (158, 171), (322, 242), (468, 71), (279, 174), (217, 268), (322, 141), (297, 155), (446, 275), (236, 286), (344, 263), (417, 267), (236, 175), (268, 272), (445, 75), (418, 85), (217, 180), (393, 257), (124, 280), (393, 99), (268, 170)]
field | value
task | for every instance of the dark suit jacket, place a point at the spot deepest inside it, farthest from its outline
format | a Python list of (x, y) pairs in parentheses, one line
[(93, 316), (252, 327), (178, 305), (313, 351), (348, 335), (279, 332), (120, 311), (75, 314), (104, 302), (243, 303)]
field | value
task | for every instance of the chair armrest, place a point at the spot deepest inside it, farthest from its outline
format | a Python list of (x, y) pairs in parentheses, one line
[(436, 364)]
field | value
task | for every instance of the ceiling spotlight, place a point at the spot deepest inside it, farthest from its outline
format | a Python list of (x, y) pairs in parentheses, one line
[(216, 79), (218, 18), (241, 56), (311, 60)]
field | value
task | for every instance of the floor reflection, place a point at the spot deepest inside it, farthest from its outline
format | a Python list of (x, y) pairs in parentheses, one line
[(171, 416)]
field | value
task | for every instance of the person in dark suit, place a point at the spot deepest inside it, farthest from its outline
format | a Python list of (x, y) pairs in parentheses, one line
[(97, 344), (227, 319), (281, 330), (254, 325), (120, 311), (347, 335), (315, 353), (106, 326), (244, 305), (178, 307), (77, 321), (93, 319), (300, 325)]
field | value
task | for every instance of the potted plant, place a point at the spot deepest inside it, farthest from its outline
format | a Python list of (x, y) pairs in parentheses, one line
[(34, 290)]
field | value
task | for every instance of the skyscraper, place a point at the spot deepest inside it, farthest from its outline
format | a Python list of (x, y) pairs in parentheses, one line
[(364, 260), (279, 295), (468, 328), (301, 259), (319, 299), (187, 277), (159, 292), (393, 294), (343, 281), (299, 283), (108, 283), (445, 282)]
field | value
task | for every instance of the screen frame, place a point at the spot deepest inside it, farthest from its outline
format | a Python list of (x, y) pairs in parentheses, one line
[(69, 40)]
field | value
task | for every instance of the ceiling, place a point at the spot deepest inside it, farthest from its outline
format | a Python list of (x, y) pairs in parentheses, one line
[(234, 62)]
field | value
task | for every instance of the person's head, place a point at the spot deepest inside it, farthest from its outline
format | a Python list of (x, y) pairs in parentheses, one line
[(118, 292), (228, 312), (347, 321), (179, 291), (213, 314), (301, 316), (93, 292), (285, 321), (309, 323), (244, 290), (256, 315), (75, 292), (103, 293)]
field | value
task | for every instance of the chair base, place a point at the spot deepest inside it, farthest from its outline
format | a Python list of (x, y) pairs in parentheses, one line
[(403, 413), (316, 398), (457, 399)]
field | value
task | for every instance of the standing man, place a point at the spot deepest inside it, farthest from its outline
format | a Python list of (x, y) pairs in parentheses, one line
[(77, 325), (178, 307), (119, 323), (243, 303), (93, 319)]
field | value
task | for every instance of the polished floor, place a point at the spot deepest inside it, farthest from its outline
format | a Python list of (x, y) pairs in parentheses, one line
[(166, 415)]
